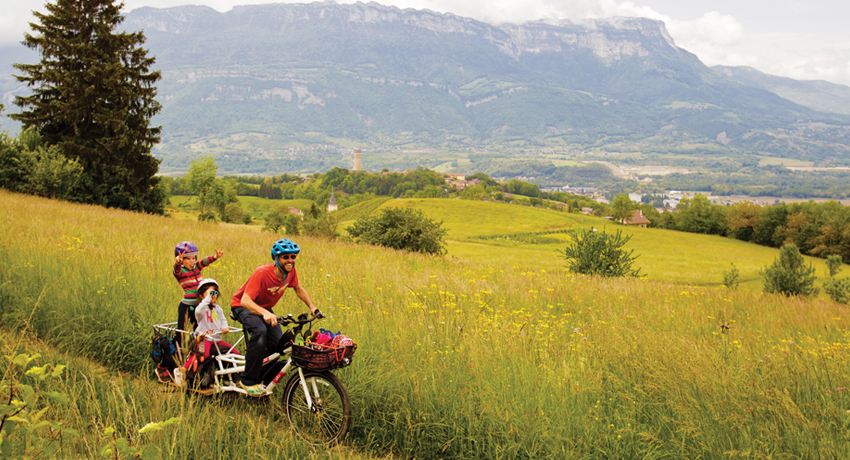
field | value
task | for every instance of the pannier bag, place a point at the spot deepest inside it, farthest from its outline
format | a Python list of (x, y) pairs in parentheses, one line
[(323, 357), (162, 350)]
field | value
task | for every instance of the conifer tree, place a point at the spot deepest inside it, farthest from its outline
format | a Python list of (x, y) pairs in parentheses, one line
[(93, 97)]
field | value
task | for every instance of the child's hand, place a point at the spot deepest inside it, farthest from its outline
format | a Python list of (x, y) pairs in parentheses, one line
[(179, 259), (225, 330), (218, 253)]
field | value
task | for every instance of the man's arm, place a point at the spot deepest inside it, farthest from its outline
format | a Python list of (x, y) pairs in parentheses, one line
[(302, 294), (249, 304)]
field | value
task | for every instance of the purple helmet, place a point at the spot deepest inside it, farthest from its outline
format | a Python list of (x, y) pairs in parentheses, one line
[(186, 248)]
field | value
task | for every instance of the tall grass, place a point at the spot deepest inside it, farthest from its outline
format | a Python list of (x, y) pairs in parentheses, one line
[(101, 398), (461, 359)]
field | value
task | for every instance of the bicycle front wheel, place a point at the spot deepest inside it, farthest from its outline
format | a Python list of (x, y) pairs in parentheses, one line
[(328, 418)]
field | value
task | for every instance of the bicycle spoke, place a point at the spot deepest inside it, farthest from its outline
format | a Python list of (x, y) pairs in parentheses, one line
[(329, 421)]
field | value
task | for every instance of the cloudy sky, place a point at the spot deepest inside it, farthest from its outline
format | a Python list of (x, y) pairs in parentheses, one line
[(802, 39)]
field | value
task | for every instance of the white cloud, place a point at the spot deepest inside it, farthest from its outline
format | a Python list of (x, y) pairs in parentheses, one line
[(14, 20)]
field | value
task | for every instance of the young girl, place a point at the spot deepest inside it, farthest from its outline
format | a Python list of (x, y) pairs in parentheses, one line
[(210, 318), (187, 270)]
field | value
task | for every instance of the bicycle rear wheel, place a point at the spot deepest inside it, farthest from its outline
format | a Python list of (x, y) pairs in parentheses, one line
[(329, 418)]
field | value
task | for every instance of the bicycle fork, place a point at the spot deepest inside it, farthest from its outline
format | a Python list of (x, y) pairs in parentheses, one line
[(313, 407)]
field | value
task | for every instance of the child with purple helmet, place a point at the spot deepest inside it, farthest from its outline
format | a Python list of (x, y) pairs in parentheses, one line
[(187, 271)]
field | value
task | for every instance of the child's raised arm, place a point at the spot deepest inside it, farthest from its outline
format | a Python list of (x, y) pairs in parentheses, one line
[(178, 263), (219, 253)]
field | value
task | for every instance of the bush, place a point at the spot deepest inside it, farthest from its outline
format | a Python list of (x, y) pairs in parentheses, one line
[(207, 216), (732, 277), (233, 212), (322, 224), (788, 275), (282, 222), (400, 228), (599, 253), (838, 290), (833, 262)]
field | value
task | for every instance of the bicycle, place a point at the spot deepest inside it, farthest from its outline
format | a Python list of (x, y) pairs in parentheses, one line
[(315, 400)]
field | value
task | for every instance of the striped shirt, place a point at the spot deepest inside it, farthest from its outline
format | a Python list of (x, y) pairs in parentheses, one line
[(189, 278)]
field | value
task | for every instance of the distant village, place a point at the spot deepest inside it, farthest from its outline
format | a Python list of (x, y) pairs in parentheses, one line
[(663, 201)]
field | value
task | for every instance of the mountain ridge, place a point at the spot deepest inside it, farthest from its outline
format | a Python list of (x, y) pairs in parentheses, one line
[(264, 81)]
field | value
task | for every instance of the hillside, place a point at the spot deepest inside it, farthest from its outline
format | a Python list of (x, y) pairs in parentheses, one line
[(292, 87), (817, 95), (457, 358), (664, 255)]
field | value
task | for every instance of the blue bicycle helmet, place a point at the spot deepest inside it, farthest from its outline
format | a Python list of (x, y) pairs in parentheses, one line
[(186, 248), (284, 246)]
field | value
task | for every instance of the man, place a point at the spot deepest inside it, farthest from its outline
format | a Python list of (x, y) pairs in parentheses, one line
[(252, 306)]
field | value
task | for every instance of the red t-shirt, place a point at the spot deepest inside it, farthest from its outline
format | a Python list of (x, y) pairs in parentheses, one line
[(264, 287)]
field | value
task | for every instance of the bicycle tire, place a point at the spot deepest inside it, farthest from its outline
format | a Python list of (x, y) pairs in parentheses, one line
[(328, 421)]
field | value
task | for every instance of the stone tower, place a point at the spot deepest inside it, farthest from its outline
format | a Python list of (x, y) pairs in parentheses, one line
[(332, 204), (357, 164)]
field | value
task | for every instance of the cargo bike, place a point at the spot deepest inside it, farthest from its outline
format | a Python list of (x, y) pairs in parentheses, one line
[(315, 401)]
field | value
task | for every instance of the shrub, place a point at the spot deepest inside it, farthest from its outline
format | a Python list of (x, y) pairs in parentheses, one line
[(325, 225), (282, 222), (233, 212), (400, 228), (838, 290), (600, 253), (833, 262), (274, 222), (208, 216), (788, 275), (732, 277)]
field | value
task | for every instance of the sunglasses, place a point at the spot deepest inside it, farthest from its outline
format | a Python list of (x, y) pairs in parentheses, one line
[(288, 256), (213, 292)]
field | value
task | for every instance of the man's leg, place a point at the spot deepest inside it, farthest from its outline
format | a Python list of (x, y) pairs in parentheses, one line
[(274, 336), (256, 348)]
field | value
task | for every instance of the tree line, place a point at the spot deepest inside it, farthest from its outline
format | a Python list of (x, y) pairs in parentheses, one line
[(816, 229)]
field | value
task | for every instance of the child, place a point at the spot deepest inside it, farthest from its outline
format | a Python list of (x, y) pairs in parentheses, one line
[(187, 270), (211, 320)]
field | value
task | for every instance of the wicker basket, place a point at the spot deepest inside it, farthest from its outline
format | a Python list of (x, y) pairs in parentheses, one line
[(324, 359)]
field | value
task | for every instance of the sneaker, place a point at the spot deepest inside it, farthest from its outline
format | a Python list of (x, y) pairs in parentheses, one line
[(162, 375), (254, 390)]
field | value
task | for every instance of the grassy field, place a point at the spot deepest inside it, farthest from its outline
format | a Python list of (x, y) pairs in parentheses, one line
[(493, 352), (663, 255), (184, 207)]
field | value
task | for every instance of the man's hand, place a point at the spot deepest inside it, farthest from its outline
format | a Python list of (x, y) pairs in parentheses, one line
[(269, 318), (318, 313)]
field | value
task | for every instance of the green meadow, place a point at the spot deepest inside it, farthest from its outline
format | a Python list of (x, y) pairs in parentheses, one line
[(493, 351), (663, 255), (186, 208)]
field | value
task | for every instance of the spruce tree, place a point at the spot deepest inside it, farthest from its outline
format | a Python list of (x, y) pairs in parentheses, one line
[(93, 97)]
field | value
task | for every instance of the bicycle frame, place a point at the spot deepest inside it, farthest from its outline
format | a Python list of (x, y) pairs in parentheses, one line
[(230, 363)]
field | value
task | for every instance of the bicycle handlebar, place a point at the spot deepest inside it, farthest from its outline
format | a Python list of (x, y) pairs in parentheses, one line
[(301, 320)]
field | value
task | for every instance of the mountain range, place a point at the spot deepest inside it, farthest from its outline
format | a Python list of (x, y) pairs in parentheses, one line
[(286, 81)]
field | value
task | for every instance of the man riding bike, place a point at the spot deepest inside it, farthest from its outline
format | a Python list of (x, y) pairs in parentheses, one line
[(252, 306)]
